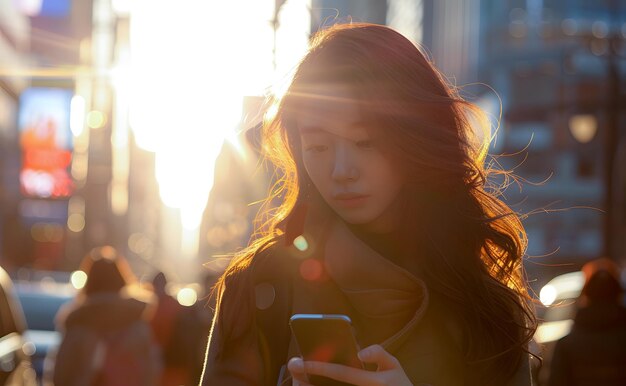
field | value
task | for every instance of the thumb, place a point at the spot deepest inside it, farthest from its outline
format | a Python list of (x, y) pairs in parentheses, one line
[(295, 366), (377, 354)]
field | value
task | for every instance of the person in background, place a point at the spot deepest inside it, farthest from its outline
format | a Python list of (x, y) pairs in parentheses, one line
[(386, 216), (171, 331), (106, 336), (594, 352)]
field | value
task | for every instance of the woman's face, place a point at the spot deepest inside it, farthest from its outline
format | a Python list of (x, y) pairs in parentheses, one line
[(344, 162)]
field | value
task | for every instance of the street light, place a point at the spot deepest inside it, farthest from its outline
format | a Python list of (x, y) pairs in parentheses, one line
[(583, 127)]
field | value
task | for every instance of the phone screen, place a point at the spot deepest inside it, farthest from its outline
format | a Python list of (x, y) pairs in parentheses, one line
[(326, 338)]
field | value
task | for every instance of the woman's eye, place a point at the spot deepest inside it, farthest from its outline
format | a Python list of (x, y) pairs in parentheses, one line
[(316, 148), (365, 144)]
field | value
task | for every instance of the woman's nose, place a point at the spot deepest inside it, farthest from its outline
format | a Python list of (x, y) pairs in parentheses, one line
[(345, 167)]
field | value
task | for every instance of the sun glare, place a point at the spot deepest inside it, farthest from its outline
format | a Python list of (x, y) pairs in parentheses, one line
[(192, 63)]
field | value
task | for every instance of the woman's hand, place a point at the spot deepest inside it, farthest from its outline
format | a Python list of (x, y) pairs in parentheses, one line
[(389, 371)]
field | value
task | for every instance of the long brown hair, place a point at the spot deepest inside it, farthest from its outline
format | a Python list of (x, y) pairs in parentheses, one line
[(468, 244)]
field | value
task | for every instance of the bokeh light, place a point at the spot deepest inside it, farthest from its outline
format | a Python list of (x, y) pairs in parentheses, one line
[(547, 295), (78, 279), (187, 296), (96, 119), (583, 127), (76, 222), (311, 269), (300, 243)]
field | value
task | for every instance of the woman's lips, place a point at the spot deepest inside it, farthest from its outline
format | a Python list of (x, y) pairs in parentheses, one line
[(350, 200)]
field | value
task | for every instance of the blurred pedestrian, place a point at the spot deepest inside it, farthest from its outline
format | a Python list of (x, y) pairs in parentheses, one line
[(174, 333), (106, 336), (386, 218), (594, 352)]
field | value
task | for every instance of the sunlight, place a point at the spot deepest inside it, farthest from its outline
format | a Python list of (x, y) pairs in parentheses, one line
[(292, 41), (187, 80)]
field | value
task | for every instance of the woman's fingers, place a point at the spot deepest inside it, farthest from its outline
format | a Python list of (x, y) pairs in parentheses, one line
[(342, 373), (389, 372), (296, 368), (377, 354), (299, 370)]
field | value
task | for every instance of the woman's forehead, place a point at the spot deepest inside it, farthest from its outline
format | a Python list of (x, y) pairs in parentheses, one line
[(321, 104), (323, 95)]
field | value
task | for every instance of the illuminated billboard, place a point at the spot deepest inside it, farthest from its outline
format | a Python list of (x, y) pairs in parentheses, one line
[(46, 142), (45, 8)]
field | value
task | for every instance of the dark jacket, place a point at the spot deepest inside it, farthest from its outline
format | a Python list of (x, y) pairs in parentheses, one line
[(85, 323), (594, 353), (427, 342)]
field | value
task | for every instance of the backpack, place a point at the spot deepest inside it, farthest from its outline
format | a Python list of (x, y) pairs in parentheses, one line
[(126, 357)]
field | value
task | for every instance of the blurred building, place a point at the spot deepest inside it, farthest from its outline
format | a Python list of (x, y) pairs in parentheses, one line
[(14, 45), (40, 44), (142, 226), (559, 69), (71, 176), (242, 182)]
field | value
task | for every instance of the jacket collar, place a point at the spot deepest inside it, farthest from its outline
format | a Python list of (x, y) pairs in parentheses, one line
[(384, 301)]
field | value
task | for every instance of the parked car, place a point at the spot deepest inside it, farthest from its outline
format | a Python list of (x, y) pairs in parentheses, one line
[(41, 299), (15, 351)]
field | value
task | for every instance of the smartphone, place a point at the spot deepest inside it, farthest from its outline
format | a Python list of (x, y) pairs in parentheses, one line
[(326, 338)]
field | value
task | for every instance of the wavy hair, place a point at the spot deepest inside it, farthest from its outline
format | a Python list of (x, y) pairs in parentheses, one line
[(470, 243)]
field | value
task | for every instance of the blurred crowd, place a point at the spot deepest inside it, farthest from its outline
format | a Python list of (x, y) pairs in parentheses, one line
[(117, 332)]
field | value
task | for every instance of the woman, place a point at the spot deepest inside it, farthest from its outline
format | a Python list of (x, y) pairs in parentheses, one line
[(385, 218), (106, 335)]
